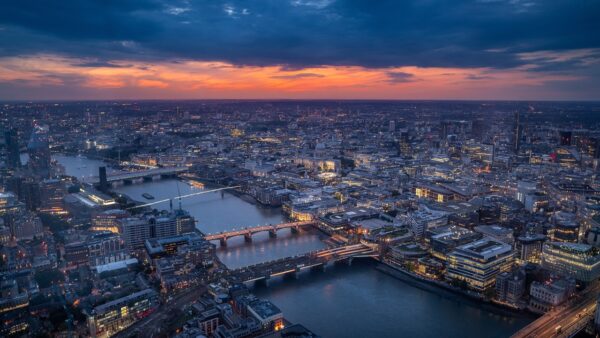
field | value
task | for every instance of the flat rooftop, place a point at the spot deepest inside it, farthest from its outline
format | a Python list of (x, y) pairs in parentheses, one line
[(485, 248)]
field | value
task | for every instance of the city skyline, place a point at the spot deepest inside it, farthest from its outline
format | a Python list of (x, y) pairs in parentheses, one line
[(276, 168), (469, 50)]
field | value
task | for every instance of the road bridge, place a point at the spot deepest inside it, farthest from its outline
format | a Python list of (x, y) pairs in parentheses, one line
[(249, 231), (138, 176), (298, 263)]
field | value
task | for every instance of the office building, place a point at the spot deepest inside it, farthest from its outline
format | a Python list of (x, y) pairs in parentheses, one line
[(39, 152), (565, 138), (478, 263), (106, 247), (52, 192), (566, 227), (26, 225), (76, 254), (268, 315), (103, 185), (109, 220), (136, 231), (580, 261), (442, 240), (545, 296), (107, 319), (518, 132), (529, 248), (11, 297), (497, 232), (510, 286), (13, 152)]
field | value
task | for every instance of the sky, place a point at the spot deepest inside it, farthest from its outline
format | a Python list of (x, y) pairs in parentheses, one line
[(300, 49)]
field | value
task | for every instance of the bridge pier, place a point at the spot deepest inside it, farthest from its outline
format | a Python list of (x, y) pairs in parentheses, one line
[(223, 241), (248, 237), (295, 230), (297, 273), (273, 233), (349, 261)]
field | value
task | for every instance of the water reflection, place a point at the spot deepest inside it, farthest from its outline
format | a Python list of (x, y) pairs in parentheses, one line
[(359, 301)]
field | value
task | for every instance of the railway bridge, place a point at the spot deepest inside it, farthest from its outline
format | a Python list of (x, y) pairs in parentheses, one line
[(249, 231)]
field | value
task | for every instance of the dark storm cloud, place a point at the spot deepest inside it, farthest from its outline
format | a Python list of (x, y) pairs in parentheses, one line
[(399, 77), (300, 33), (95, 64)]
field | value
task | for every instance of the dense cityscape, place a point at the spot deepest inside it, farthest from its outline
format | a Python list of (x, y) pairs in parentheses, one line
[(494, 205), (300, 169)]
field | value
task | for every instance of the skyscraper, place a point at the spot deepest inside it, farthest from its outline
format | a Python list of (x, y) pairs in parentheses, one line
[(103, 181), (518, 132), (13, 159), (565, 138), (39, 152)]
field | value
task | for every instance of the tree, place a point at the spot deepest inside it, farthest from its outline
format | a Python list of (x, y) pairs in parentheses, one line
[(53, 222), (46, 278)]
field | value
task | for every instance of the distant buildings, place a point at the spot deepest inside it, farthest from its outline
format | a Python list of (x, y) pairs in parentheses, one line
[(488, 203)]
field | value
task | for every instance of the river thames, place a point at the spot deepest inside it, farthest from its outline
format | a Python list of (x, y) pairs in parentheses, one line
[(344, 301)]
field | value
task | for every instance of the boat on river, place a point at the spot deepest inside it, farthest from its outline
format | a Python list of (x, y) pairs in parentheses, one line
[(147, 196)]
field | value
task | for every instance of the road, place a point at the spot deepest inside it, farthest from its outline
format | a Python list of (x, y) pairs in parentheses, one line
[(149, 326), (567, 316)]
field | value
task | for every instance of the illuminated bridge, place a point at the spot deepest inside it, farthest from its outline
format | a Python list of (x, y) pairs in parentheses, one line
[(138, 176), (565, 321), (248, 232), (296, 264)]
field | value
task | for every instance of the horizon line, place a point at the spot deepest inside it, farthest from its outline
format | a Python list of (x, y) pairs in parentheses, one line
[(294, 99)]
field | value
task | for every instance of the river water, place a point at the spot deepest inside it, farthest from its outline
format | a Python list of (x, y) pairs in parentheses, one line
[(344, 301)]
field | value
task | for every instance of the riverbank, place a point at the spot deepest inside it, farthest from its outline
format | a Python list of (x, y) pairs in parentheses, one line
[(242, 195), (449, 291)]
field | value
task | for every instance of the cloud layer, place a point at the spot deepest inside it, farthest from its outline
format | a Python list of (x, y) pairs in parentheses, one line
[(554, 46)]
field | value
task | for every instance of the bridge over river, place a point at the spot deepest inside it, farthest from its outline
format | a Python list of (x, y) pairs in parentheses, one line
[(249, 231), (138, 176), (298, 263)]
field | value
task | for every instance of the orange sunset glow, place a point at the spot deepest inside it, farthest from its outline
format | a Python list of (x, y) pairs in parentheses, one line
[(300, 49), (193, 79)]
